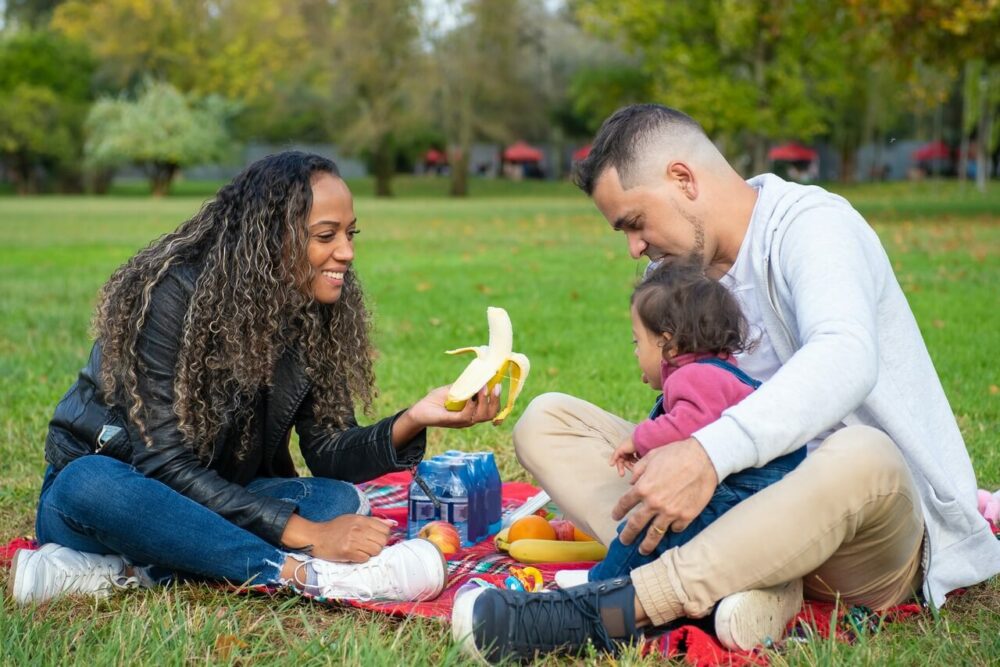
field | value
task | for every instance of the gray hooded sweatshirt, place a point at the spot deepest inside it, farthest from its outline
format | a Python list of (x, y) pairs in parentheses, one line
[(851, 353)]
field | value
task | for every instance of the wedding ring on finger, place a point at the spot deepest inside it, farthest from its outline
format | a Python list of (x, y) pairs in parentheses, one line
[(657, 530)]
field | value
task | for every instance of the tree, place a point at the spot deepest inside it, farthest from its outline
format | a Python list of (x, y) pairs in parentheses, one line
[(747, 70), (269, 55), (376, 57), (162, 130), (951, 34), (44, 93), (482, 93), (33, 14)]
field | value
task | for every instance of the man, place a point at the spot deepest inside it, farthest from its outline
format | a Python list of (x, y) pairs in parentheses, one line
[(884, 507)]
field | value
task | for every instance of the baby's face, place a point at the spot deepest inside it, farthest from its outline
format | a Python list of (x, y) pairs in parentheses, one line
[(648, 352)]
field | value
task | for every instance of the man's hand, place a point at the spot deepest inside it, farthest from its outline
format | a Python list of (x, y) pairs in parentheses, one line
[(624, 456), (670, 486), (350, 538)]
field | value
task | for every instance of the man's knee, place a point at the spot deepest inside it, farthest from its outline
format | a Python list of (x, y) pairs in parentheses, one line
[(863, 455), (536, 419)]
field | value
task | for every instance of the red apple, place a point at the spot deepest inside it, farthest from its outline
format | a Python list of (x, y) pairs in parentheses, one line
[(443, 535), (564, 529)]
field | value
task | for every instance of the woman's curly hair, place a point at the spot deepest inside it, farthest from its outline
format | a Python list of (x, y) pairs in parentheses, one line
[(251, 302)]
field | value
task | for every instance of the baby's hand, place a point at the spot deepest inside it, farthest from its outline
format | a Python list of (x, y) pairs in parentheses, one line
[(624, 456)]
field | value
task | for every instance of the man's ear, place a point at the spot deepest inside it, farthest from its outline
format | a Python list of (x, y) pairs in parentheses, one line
[(683, 177)]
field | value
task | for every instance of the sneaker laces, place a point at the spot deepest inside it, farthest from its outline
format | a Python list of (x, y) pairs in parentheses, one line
[(362, 578), (541, 613), (92, 576)]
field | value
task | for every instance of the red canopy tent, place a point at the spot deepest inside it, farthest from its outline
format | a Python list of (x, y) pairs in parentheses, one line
[(581, 153), (792, 152), (935, 150), (522, 152), (435, 157)]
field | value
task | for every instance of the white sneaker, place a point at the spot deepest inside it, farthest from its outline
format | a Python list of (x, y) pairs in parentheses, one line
[(410, 570), (570, 578), (53, 570), (751, 618)]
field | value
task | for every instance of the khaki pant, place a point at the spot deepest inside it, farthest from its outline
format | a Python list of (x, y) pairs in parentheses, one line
[(847, 520)]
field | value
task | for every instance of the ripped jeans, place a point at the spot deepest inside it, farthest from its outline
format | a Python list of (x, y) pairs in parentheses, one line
[(101, 505)]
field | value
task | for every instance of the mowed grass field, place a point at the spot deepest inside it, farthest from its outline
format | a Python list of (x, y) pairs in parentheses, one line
[(431, 266)]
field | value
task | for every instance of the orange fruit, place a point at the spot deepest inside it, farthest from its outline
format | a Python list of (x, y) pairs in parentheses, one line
[(532, 528), (580, 536)]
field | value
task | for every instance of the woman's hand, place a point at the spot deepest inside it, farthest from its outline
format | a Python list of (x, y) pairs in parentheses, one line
[(624, 456), (430, 411), (351, 538)]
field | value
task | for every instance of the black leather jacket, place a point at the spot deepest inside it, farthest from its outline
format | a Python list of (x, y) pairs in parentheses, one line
[(83, 424)]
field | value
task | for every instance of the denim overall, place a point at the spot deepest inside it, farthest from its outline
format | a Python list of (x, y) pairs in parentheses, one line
[(739, 486)]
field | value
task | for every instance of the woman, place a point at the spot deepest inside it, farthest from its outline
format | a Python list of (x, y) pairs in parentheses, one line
[(169, 455)]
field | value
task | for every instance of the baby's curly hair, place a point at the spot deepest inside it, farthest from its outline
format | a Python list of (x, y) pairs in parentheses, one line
[(700, 315), (251, 303)]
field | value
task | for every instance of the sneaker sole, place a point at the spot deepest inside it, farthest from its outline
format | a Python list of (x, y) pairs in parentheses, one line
[(462, 626), (15, 574), (751, 618), (22, 569), (570, 578)]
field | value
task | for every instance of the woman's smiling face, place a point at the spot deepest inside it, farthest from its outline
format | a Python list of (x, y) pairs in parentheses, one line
[(331, 227)]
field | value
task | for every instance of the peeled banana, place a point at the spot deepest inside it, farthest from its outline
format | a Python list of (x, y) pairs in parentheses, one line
[(491, 364), (550, 551)]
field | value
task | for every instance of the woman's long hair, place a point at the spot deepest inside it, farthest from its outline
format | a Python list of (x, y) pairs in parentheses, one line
[(251, 302)]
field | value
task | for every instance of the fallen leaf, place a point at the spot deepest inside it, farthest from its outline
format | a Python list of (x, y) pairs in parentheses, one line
[(226, 644)]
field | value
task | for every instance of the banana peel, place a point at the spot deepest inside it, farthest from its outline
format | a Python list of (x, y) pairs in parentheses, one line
[(492, 363), (549, 551)]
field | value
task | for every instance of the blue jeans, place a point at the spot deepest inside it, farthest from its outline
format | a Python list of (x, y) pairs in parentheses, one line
[(101, 505), (736, 488)]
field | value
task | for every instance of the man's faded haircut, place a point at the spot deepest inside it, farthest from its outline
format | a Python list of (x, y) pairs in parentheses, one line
[(625, 137)]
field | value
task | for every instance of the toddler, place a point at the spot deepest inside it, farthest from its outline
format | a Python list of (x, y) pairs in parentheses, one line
[(686, 328)]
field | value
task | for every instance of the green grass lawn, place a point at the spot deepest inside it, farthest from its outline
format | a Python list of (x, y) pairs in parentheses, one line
[(431, 266)]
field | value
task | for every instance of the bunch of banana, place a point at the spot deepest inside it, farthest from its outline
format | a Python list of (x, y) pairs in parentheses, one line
[(490, 366), (550, 551)]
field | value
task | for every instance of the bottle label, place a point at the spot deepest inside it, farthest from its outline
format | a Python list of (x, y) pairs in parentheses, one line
[(458, 512), (422, 510)]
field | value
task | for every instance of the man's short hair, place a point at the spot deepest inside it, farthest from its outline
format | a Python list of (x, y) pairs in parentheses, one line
[(624, 135)]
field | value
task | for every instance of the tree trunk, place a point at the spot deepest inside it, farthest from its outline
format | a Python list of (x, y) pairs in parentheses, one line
[(848, 163), (982, 140), (968, 100), (758, 146), (937, 132), (458, 158), (161, 178), (384, 167), (758, 153), (101, 179), (24, 175), (459, 155)]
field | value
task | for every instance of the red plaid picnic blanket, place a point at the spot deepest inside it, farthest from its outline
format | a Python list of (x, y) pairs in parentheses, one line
[(387, 495), (698, 647)]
